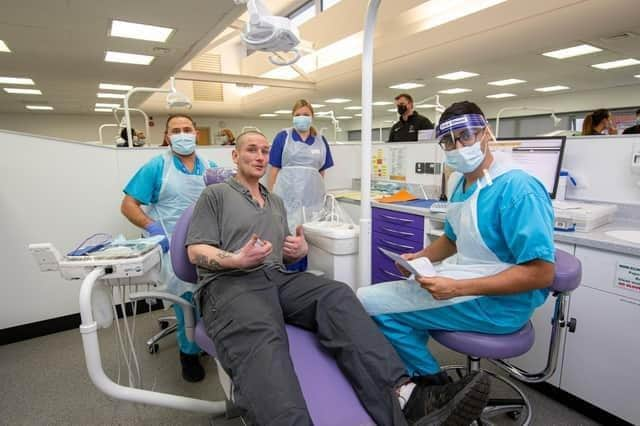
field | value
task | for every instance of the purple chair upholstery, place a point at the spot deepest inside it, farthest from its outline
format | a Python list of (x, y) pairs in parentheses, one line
[(497, 346), (329, 396)]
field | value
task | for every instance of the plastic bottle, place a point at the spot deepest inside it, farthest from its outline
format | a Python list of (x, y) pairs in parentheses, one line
[(562, 185)]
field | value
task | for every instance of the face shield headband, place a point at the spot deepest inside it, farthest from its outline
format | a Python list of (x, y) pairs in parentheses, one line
[(471, 122)]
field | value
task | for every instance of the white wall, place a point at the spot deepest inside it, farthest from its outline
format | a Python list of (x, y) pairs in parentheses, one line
[(85, 127), (60, 191)]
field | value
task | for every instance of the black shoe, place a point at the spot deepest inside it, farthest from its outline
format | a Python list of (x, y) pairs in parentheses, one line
[(192, 371), (453, 404), (438, 379)]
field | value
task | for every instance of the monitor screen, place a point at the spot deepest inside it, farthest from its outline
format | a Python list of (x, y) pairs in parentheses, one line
[(539, 156)]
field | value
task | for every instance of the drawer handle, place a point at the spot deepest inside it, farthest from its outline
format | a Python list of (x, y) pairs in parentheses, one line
[(397, 245), (391, 274), (393, 231), (397, 218)]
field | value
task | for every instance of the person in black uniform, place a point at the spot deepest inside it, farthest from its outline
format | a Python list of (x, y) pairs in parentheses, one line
[(633, 129), (406, 129)]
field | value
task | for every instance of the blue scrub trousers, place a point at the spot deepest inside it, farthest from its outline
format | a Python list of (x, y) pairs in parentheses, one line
[(186, 347), (408, 332)]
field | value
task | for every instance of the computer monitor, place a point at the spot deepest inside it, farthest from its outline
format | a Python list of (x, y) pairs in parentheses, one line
[(539, 156)]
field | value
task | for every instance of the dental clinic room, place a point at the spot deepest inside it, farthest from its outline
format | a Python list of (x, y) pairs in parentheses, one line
[(320, 212)]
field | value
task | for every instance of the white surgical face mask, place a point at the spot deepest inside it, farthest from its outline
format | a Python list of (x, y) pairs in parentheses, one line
[(183, 143), (465, 159), (302, 123)]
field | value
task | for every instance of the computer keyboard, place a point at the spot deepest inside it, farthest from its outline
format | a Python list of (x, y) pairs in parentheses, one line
[(439, 207)]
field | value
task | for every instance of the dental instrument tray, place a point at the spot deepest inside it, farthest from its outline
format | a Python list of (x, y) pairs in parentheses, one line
[(582, 217), (136, 263)]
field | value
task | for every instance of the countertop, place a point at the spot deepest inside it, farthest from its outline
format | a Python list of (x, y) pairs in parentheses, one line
[(597, 238)]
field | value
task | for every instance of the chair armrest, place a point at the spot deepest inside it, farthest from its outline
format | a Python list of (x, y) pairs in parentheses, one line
[(187, 308)]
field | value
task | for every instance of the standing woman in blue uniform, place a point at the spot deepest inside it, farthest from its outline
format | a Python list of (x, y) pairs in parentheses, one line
[(298, 158)]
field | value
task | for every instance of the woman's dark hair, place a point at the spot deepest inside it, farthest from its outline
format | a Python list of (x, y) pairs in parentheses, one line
[(460, 108), (592, 120)]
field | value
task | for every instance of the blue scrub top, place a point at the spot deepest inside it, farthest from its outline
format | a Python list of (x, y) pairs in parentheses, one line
[(275, 153), (515, 217), (145, 185)]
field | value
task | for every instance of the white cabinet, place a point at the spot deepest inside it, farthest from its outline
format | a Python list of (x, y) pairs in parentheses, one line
[(602, 358), (536, 359)]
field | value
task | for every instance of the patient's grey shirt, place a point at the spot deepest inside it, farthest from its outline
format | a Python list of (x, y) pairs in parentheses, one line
[(226, 216)]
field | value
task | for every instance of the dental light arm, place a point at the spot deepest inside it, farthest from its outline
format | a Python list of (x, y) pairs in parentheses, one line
[(123, 120), (336, 124), (269, 33), (439, 107), (556, 120), (175, 99)]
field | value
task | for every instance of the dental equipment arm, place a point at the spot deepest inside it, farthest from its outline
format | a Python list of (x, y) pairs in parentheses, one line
[(102, 127), (438, 107), (123, 121), (556, 120), (269, 33)]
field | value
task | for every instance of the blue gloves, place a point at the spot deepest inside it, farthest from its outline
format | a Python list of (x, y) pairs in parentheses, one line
[(155, 228)]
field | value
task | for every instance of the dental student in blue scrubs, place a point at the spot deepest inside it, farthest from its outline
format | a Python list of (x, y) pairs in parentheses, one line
[(496, 255), (154, 200)]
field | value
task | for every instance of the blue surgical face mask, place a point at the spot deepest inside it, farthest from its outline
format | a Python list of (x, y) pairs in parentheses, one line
[(302, 123), (183, 143), (465, 159)]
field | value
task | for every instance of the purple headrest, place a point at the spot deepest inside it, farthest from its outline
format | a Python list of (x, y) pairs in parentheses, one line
[(218, 175), (568, 272), (183, 269)]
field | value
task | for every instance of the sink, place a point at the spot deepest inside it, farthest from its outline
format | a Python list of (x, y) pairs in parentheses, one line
[(625, 234)]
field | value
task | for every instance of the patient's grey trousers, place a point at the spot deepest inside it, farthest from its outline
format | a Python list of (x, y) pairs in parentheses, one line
[(245, 317)]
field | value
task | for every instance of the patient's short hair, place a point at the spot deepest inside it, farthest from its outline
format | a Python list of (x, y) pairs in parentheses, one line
[(240, 139)]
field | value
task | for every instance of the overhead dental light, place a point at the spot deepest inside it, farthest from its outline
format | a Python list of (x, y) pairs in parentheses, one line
[(556, 120), (268, 33), (175, 99)]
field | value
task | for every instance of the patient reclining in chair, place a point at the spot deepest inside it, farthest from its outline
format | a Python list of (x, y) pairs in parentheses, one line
[(239, 240)]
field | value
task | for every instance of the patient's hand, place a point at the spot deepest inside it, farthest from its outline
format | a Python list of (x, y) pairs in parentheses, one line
[(253, 253), (295, 247), (441, 288)]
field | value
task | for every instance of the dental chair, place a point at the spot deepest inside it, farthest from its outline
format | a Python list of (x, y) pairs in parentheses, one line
[(496, 348), (329, 396)]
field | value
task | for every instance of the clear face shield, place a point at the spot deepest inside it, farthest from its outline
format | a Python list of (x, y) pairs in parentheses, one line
[(466, 129)]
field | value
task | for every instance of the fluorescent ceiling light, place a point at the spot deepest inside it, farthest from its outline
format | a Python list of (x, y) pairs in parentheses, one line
[(392, 110), (22, 91), (406, 86), (268, 115), (109, 86), (616, 64), (102, 109), (337, 100), (4, 47), (344, 117), (284, 73), (454, 91), (458, 75), (282, 111), (338, 51), (127, 58), (423, 106), (16, 80), (551, 88), (140, 31), (637, 76), (570, 52), (507, 82), (317, 105), (111, 95), (355, 108), (501, 95), (382, 103), (39, 107), (103, 105), (389, 121), (358, 115), (434, 13)]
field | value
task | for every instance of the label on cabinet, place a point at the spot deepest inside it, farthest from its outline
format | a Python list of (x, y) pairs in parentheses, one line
[(628, 277)]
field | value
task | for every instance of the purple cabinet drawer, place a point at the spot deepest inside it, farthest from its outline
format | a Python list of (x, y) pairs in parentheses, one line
[(383, 274), (396, 245), (392, 219), (400, 232)]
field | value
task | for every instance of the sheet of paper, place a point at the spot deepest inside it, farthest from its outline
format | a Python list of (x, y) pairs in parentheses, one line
[(420, 267)]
